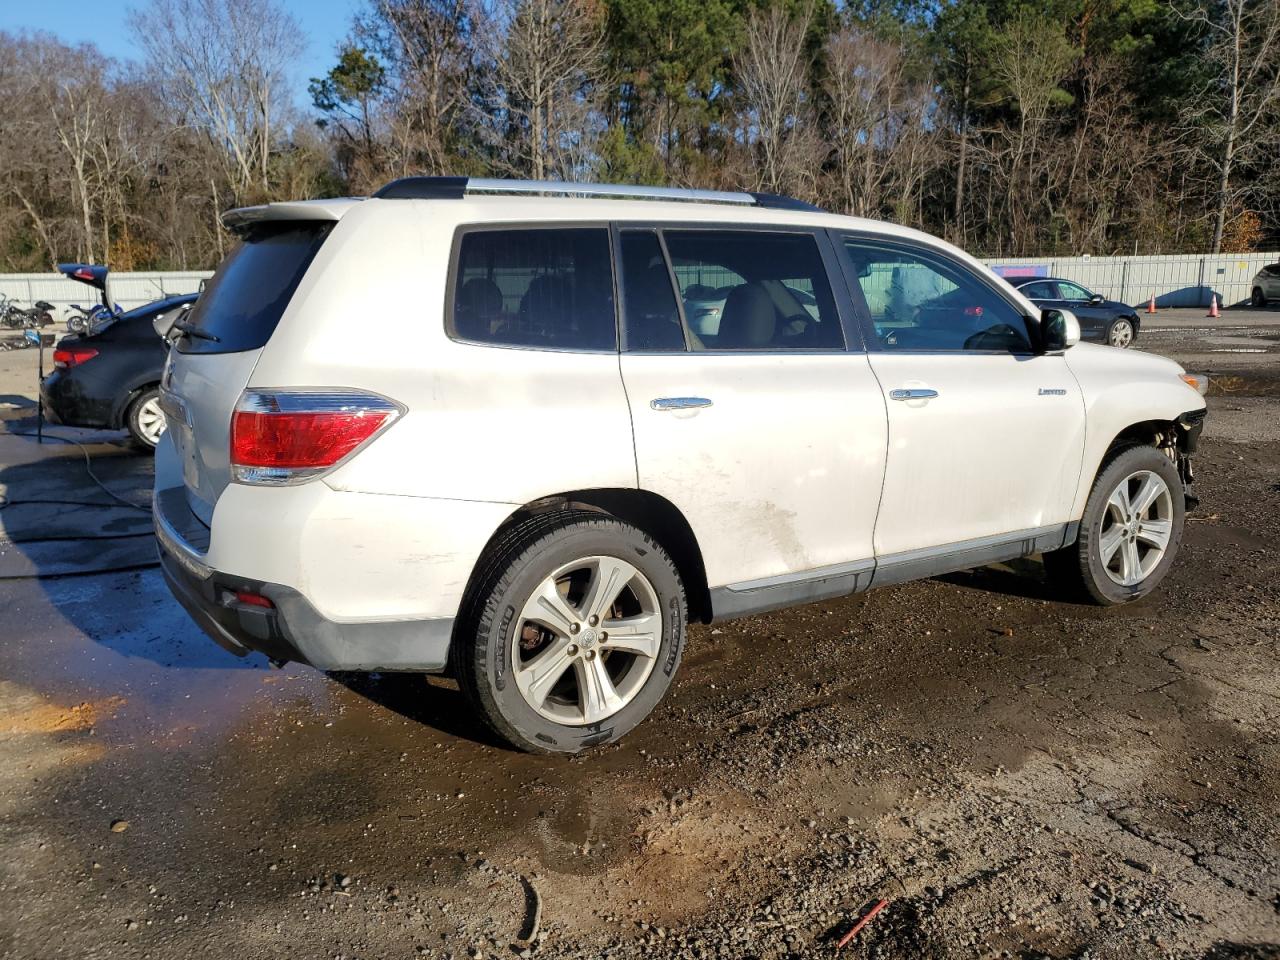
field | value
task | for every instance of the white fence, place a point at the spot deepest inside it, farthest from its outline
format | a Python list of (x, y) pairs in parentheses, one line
[(1175, 281), (127, 289)]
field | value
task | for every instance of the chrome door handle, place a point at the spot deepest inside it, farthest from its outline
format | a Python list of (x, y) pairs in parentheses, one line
[(679, 403), (915, 393)]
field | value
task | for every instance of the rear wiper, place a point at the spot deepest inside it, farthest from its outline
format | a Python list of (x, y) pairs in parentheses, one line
[(189, 329)]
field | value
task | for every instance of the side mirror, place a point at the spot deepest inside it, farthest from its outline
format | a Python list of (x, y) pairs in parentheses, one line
[(1096, 299), (163, 323), (1059, 329)]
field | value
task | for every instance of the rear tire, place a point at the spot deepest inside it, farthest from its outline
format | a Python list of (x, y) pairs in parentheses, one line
[(1258, 298), (1130, 532), (145, 420), (571, 632)]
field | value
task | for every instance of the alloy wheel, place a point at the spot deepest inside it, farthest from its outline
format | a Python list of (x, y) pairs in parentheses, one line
[(150, 420), (586, 640), (1121, 334), (1136, 527)]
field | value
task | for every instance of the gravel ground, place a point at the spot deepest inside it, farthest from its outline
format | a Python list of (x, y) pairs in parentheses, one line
[(1015, 775)]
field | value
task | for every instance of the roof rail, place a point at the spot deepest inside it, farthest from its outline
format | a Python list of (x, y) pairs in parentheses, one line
[(455, 188)]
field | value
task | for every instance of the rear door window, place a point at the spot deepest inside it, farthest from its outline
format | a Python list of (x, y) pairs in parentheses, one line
[(544, 288), (244, 300), (649, 304), (754, 290)]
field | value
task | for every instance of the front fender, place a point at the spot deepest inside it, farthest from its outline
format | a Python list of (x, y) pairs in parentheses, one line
[(1122, 388)]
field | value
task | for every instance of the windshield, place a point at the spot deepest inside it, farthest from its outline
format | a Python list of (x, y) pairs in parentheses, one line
[(245, 299)]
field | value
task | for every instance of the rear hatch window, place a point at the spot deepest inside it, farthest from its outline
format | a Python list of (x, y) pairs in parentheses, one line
[(245, 299)]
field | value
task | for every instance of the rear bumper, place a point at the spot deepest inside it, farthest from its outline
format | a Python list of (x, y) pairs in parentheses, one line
[(69, 401), (291, 629)]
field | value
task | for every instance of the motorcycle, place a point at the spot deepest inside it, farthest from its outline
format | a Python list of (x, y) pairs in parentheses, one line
[(88, 319), (15, 317)]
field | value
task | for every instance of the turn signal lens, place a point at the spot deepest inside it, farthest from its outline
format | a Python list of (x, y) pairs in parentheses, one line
[(68, 357), (1197, 381), (287, 436)]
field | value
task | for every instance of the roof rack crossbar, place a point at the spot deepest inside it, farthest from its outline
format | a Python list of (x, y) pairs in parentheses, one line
[(454, 188)]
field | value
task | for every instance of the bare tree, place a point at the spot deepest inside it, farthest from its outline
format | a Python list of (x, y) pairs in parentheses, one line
[(772, 75), (1236, 114), (63, 110), (877, 126), (223, 64), (546, 56), (429, 47)]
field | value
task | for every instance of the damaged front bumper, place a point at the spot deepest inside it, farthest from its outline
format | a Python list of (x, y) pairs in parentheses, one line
[(1189, 427)]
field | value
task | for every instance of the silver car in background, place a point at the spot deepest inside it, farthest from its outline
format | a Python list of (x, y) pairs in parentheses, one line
[(1265, 286)]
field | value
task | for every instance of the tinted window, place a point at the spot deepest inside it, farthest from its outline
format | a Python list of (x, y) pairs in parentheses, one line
[(536, 288), (244, 300), (922, 301), (651, 315), (1038, 291), (746, 290), (1072, 291)]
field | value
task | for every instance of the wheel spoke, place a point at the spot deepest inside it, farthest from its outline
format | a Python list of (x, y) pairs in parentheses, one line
[(1130, 565), (638, 635), (605, 623), (597, 694), (1119, 500), (1110, 543), (1148, 491), (1155, 532), (608, 578), (548, 608), (536, 678)]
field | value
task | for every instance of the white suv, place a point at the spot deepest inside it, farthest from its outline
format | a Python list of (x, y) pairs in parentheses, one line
[(469, 426)]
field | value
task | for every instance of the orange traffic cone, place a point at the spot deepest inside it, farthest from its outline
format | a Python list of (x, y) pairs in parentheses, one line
[(1151, 305), (1213, 307)]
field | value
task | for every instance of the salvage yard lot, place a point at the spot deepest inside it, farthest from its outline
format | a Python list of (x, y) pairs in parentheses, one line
[(1011, 772)]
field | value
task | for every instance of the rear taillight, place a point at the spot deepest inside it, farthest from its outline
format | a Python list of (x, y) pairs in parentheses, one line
[(287, 436), (67, 357)]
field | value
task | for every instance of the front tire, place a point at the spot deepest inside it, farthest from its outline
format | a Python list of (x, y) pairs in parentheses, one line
[(1121, 333), (571, 633), (1258, 298), (1130, 532), (145, 420)]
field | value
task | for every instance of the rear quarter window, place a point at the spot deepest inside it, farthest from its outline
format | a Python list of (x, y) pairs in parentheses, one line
[(243, 302), (548, 288)]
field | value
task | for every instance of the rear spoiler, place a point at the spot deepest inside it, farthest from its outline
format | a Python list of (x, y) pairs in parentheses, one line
[(242, 218)]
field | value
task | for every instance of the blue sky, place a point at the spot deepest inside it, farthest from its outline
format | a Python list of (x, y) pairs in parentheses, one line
[(105, 22)]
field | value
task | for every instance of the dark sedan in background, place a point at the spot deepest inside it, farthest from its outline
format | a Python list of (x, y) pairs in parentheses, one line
[(110, 377), (1100, 319)]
